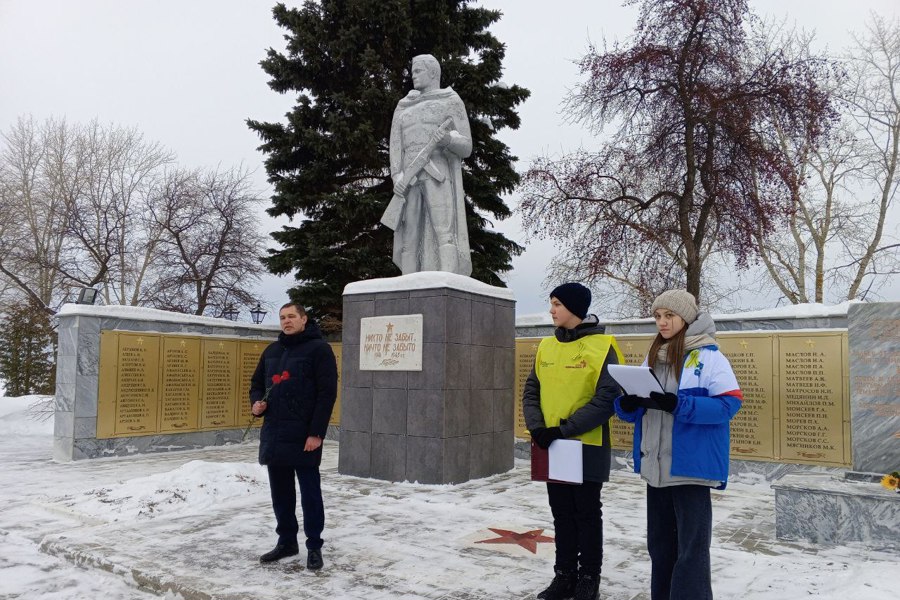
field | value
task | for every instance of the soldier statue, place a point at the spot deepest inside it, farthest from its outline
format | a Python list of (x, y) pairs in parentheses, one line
[(430, 137)]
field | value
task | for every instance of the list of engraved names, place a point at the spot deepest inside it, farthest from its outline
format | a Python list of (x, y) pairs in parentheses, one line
[(179, 387), (136, 389), (812, 424), (219, 385)]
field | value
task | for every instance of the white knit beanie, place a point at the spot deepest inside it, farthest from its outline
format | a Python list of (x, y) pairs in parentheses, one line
[(680, 302)]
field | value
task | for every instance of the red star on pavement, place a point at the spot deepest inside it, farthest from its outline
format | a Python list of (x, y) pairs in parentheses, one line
[(528, 540)]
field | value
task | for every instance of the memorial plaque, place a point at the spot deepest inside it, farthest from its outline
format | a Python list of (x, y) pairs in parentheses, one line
[(753, 428), (814, 411), (391, 343), (634, 350), (137, 384), (526, 350), (180, 389), (336, 347), (635, 347), (219, 394), (107, 384), (249, 353)]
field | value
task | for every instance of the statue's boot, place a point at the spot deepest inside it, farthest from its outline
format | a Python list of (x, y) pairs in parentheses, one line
[(408, 263), (449, 255)]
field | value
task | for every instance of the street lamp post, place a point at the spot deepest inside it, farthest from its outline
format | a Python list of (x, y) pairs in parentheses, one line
[(87, 295), (258, 313)]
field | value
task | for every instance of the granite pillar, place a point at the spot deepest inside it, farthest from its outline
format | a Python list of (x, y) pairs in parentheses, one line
[(453, 420), (874, 338)]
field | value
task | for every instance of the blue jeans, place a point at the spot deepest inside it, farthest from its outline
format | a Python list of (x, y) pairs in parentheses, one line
[(284, 503), (679, 532)]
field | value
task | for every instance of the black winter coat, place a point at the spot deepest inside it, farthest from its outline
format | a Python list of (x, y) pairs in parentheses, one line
[(300, 406), (596, 413)]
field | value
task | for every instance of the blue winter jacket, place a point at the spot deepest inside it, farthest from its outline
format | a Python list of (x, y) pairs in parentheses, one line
[(708, 397)]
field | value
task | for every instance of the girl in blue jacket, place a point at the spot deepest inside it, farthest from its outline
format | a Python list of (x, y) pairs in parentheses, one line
[(681, 444)]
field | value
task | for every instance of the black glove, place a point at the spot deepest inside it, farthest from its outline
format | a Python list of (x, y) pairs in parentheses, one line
[(666, 402), (630, 403), (544, 436)]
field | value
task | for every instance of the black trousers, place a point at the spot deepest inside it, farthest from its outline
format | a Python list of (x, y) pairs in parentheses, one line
[(578, 524), (284, 503), (679, 532)]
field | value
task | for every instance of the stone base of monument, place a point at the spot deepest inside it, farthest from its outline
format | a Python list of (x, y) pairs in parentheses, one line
[(448, 421), (826, 508)]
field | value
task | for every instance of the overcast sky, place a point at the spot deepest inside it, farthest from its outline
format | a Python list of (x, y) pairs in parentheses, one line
[(186, 74)]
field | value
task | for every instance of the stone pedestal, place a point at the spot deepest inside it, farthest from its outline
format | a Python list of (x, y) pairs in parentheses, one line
[(826, 508), (453, 420)]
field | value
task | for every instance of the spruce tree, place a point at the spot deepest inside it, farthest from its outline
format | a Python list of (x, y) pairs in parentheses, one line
[(349, 63), (27, 350)]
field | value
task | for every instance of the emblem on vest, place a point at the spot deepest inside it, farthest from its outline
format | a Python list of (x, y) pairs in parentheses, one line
[(579, 365)]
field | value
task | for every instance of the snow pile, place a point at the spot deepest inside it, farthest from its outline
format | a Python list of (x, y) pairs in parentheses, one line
[(195, 488), (22, 416)]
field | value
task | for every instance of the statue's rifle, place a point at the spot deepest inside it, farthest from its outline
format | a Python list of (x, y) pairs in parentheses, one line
[(394, 211)]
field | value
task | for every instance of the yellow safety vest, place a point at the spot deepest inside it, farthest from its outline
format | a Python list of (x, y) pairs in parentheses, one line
[(568, 373)]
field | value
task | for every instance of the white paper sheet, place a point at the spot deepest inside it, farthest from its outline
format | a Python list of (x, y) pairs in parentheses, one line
[(565, 461), (637, 381)]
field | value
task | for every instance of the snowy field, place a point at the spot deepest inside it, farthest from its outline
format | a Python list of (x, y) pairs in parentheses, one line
[(191, 524)]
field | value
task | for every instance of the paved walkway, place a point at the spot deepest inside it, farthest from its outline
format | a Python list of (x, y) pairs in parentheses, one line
[(383, 540)]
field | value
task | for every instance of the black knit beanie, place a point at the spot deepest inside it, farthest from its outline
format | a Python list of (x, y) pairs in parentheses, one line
[(575, 297)]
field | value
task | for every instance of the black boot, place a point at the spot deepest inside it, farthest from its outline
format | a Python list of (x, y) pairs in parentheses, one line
[(588, 587), (561, 588), (314, 560), (278, 552)]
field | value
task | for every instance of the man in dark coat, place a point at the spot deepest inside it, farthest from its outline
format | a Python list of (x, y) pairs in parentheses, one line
[(295, 387)]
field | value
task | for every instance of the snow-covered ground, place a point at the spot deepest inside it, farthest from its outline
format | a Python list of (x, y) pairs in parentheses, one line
[(191, 525)]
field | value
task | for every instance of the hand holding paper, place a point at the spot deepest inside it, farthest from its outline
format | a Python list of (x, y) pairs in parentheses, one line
[(544, 436), (636, 381), (666, 402), (630, 403)]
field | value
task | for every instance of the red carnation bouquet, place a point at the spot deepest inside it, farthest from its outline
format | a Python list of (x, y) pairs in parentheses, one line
[(276, 379)]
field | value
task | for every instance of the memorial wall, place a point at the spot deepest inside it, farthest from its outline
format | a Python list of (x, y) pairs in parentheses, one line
[(170, 383), (796, 405), (128, 384)]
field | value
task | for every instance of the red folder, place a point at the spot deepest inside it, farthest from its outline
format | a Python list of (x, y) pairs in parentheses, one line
[(540, 463)]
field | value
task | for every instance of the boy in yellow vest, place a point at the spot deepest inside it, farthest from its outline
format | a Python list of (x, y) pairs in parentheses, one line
[(570, 394)]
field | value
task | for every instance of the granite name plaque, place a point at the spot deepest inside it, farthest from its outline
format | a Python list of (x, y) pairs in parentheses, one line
[(137, 384), (337, 348), (219, 396), (391, 343), (248, 359), (814, 415), (753, 427), (180, 393), (526, 350)]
